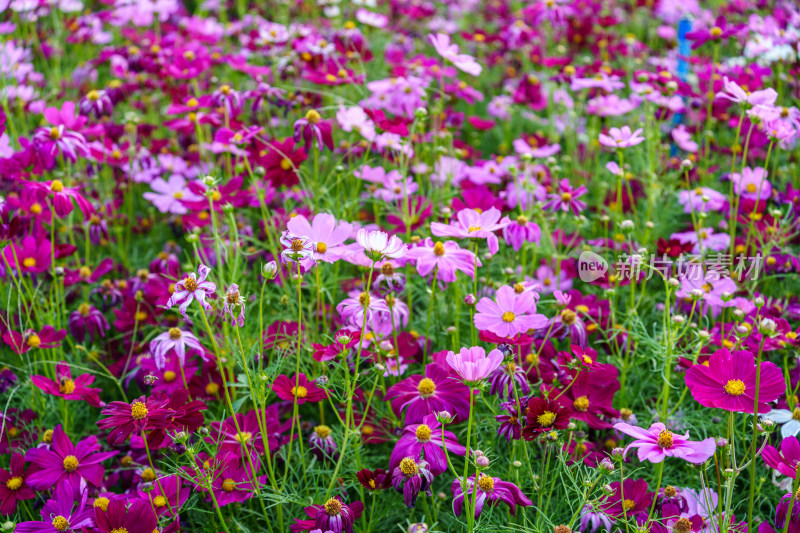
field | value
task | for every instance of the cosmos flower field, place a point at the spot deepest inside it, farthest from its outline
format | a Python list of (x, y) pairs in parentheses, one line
[(399, 265)]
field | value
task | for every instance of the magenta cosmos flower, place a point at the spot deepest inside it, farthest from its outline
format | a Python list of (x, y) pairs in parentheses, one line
[(60, 513), (658, 442), (139, 416), (729, 382), (298, 387), (45, 338), (447, 258), (191, 288), (566, 198), (426, 438), (30, 255), (787, 460), (67, 462), (473, 365), (379, 245), (470, 224), (224, 434), (335, 516), (13, 486), (490, 489), (510, 314), (621, 137), (233, 483), (67, 388), (428, 394), (119, 517)]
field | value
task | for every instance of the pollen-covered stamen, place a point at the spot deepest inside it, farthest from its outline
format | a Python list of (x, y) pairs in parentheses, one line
[(55, 133), (683, 525), (628, 504), (438, 249), (387, 269), (568, 316), (519, 288), (735, 387), (322, 431), (363, 299), (66, 386), (716, 32), (229, 485), (665, 439), (297, 245), (60, 523), (486, 483), (84, 309), (175, 333), (508, 316), (546, 418), (408, 466), (522, 220), (423, 433), (190, 284), (138, 410), (244, 437), (473, 229), (34, 341), (299, 392), (70, 463), (581, 404), (313, 117), (510, 368), (101, 503), (233, 297), (322, 247), (56, 185), (333, 507), (566, 197), (670, 491), (426, 387), (159, 501), (14, 483)]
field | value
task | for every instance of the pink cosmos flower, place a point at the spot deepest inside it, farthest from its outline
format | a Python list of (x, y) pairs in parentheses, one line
[(168, 195), (752, 183), (313, 130), (471, 224), (729, 382), (297, 249), (13, 486), (379, 245), (44, 339), (711, 285), (702, 200), (520, 231), (473, 364), (298, 387), (30, 254), (658, 442), (136, 417), (435, 391), (233, 301), (621, 138), (566, 198), (67, 388), (65, 461), (62, 197), (447, 258), (63, 136), (174, 339), (449, 52), (490, 490), (510, 314), (192, 288), (684, 139), (735, 93), (426, 438), (325, 232)]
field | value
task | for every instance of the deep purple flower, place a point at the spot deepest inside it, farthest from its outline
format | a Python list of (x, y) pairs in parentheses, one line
[(412, 477), (503, 378), (67, 462), (60, 513), (334, 515), (433, 392), (426, 439), (490, 489), (322, 444), (135, 417), (87, 320), (119, 517)]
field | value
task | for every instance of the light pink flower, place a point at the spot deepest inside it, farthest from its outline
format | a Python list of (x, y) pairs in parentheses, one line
[(448, 257), (684, 139), (621, 137), (192, 288), (325, 232), (510, 314), (658, 442), (449, 52), (473, 365), (470, 224), (379, 245), (168, 196), (735, 93), (752, 183)]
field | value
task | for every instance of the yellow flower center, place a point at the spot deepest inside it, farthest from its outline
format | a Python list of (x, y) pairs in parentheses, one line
[(313, 117), (546, 418), (438, 249), (333, 507), (426, 387), (322, 431), (84, 309), (473, 229), (190, 284), (286, 163), (299, 392), (508, 316), (212, 389), (29, 262), (138, 410), (228, 485), (169, 376), (735, 387), (60, 523), (665, 439), (54, 133), (423, 433), (56, 186), (34, 341), (628, 504), (581, 404), (101, 503), (48, 436), (751, 188), (566, 197), (70, 463), (36, 208), (14, 483), (716, 31), (67, 386), (93, 95), (486, 483), (568, 316), (683, 525), (408, 466), (159, 501), (148, 475)]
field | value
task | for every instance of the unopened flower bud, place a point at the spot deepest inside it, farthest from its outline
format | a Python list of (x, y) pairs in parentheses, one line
[(696, 294), (571, 426), (269, 271), (443, 417), (606, 465), (482, 461), (617, 453), (516, 464), (420, 112), (687, 164), (209, 181), (322, 380), (721, 443), (470, 299), (674, 282), (759, 301), (767, 326), (626, 225), (726, 296)]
